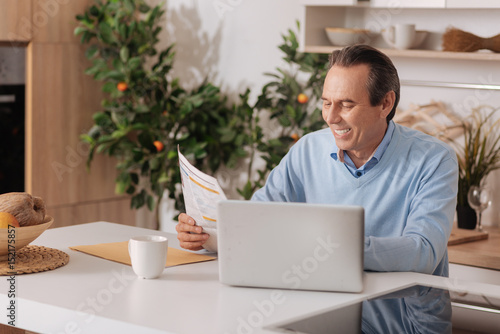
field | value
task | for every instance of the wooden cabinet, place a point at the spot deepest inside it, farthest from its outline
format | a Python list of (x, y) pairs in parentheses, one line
[(57, 19), (60, 101), (15, 21)]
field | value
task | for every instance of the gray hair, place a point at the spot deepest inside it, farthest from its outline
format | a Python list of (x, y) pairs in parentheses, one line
[(383, 76)]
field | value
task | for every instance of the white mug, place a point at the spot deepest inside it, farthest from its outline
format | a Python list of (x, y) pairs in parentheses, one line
[(148, 255), (401, 36)]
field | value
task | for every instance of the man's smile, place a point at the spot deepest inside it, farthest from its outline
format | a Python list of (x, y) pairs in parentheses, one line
[(342, 132)]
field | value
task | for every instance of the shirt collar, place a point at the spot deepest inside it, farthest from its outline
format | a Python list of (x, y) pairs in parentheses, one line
[(338, 154)]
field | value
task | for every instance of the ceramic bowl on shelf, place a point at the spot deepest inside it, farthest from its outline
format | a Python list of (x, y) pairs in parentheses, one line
[(348, 36), (21, 236), (388, 36)]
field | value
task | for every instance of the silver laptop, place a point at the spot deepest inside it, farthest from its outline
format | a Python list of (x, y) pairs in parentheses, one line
[(291, 245)]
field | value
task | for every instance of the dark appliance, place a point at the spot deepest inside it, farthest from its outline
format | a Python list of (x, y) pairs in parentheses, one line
[(12, 138)]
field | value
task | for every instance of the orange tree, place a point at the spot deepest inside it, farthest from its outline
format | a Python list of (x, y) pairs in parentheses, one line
[(146, 115), (144, 110)]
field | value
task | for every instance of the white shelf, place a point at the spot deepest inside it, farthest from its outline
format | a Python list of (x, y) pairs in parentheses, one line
[(418, 53), (405, 3), (378, 3), (473, 4), (319, 14)]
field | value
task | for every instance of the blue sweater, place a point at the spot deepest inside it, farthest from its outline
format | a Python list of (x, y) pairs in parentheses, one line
[(409, 196)]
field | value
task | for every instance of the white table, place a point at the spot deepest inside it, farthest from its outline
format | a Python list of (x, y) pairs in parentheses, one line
[(93, 295)]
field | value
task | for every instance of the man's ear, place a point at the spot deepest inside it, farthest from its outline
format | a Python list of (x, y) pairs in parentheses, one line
[(387, 104)]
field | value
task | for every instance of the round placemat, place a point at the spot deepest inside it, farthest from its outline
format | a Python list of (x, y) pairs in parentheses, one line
[(34, 259)]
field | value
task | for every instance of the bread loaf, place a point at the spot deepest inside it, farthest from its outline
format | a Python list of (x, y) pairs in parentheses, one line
[(28, 210)]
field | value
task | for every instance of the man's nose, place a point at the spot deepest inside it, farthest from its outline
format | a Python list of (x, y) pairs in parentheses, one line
[(333, 115)]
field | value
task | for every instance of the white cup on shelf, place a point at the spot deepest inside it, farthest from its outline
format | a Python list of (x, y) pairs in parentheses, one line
[(400, 36), (148, 255)]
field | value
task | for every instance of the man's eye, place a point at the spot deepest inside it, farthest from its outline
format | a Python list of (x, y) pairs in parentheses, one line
[(348, 105)]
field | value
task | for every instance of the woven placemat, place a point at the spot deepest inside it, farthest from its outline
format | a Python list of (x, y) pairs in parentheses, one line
[(34, 259)]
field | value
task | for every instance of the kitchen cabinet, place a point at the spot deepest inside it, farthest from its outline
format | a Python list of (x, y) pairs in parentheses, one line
[(376, 15), (15, 21), (60, 101), (60, 20)]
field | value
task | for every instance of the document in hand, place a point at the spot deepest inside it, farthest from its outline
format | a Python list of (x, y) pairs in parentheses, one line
[(201, 192)]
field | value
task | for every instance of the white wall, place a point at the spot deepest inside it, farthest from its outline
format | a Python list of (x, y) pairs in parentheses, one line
[(233, 42)]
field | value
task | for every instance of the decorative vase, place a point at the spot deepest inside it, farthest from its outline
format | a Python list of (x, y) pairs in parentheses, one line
[(466, 217)]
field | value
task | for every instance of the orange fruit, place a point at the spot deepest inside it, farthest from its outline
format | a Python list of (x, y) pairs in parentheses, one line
[(302, 98), (122, 86), (295, 137), (159, 145), (7, 219)]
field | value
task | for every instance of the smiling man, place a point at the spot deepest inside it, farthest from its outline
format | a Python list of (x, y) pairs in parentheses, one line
[(406, 180)]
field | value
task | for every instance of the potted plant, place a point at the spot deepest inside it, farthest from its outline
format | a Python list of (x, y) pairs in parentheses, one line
[(146, 114), (477, 157)]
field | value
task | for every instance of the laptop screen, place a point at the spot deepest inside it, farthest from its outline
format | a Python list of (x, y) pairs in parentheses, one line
[(417, 309)]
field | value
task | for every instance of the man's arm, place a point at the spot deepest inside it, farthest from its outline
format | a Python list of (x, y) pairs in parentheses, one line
[(423, 244), (282, 184)]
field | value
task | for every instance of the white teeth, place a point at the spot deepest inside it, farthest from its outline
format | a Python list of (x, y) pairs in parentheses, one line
[(341, 132)]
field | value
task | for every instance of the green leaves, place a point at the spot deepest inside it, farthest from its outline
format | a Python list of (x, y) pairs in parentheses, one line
[(124, 54), (106, 34), (133, 63), (142, 105), (247, 190)]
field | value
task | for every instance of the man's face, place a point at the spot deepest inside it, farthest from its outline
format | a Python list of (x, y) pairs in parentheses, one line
[(357, 126)]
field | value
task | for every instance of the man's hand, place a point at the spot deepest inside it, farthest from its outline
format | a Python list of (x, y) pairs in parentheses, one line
[(190, 236)]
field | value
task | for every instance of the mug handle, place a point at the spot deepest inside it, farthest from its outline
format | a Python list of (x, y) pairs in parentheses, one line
[(392, 34)]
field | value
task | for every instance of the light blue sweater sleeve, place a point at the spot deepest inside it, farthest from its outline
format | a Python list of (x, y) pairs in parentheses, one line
[(422, 246), (409, 196)]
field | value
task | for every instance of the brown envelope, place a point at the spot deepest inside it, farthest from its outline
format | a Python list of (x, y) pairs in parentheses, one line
[(118, 252)]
